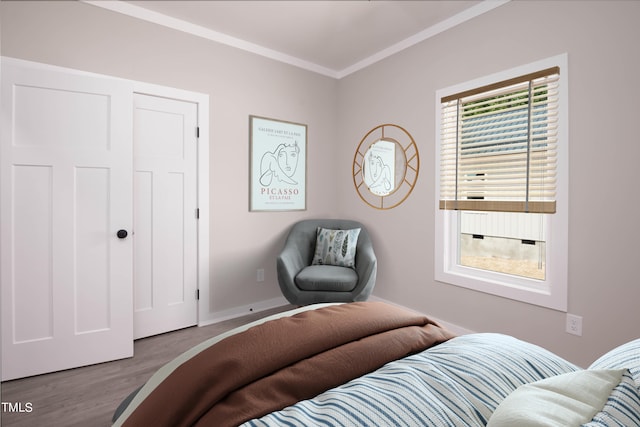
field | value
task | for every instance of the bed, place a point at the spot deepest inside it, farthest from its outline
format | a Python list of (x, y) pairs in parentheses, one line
[(376, 364)]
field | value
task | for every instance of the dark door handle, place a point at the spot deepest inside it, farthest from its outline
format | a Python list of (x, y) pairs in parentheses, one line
[(122, 234)]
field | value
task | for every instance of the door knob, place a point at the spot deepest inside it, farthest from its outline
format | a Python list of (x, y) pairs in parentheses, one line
[(122, 234)]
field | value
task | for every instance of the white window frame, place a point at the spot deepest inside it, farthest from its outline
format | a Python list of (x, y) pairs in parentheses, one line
[(551, 292)]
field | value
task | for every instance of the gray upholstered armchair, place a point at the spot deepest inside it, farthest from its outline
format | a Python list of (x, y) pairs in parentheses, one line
[(303, 283)]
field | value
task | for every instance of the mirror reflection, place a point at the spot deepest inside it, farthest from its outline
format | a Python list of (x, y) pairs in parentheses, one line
[(383, 167)]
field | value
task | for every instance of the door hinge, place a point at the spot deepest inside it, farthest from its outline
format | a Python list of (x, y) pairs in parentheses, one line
[(197, 213), (198, 294), (198, 132)]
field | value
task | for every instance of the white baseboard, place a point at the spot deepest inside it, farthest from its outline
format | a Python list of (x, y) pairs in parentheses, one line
[(458, 330), (234, 312)]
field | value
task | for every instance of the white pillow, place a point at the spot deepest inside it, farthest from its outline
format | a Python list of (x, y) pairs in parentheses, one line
[(564, 400)]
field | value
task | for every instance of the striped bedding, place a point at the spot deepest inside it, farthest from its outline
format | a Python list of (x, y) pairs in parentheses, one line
[(623, 407), (625, 356), (457, 383)]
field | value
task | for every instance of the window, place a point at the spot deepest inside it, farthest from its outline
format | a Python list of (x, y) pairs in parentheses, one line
[(501, 175)]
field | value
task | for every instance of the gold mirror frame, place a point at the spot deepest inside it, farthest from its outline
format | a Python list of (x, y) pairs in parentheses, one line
[(405, 169)]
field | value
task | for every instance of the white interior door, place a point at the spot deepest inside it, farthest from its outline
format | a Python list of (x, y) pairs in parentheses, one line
[(165, 215), (65, 191)]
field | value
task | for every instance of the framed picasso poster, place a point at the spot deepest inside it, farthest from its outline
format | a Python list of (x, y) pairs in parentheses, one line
[(278, 165)]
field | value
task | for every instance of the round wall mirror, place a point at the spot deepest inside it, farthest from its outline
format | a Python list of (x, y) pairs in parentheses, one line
[(385, 166)]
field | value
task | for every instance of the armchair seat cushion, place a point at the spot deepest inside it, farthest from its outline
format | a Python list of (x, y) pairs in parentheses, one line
[(327, 278)]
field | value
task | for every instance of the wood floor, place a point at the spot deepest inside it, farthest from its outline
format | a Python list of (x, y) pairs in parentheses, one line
[(88, 396)]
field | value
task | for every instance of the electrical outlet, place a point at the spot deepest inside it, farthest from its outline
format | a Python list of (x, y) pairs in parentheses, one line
[(260, 275), (574, 324)]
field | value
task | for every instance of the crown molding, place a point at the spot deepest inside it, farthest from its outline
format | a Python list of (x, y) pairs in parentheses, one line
[(200, 31)]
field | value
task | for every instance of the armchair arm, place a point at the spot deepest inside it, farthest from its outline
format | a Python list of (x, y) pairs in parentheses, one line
[(366, 267), (288, 264)]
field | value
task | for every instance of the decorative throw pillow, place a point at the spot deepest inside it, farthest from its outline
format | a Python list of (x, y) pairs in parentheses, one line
[(564, 400), (336, 247)]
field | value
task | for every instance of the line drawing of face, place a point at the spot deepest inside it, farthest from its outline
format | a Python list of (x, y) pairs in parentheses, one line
[(288, 159), (375, 167), (280, 163), (380, 174)]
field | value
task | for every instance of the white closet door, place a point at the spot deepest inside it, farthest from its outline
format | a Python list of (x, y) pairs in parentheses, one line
[(165, 215), (65, 192)]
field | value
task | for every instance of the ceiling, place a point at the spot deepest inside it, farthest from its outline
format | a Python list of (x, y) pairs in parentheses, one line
[(334, 38)]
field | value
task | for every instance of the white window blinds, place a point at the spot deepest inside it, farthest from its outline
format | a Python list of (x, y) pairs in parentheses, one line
[(498, 146)]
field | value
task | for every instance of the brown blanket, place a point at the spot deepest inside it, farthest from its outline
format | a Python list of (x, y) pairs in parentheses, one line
[(283, 361)]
